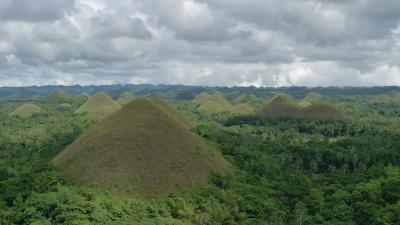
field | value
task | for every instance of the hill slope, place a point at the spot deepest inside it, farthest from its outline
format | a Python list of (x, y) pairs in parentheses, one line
[(312, 97), (145, 149), (125, 98), (322, 111), (212, 103), (100, 103), (242, 108), (26, 110), (281, 105)]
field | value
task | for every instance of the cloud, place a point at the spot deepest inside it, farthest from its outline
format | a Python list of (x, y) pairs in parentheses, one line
[(200, 42), (34, 11)]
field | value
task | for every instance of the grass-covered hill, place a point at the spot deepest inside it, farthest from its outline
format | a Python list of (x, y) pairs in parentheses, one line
[(322, 111), (313, 97), (146, 149), (99, 104), (125, 98), (382, 99), (26, 110), (212, 103), (245, 98), (280, 106), (60, 96), (242, 108)]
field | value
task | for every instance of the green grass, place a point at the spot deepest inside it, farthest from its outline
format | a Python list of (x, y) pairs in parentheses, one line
[(60, 96), (245, 98), (212, 103), (303, 104), (99, 104), (145, 149), (382, 98), (125, 98), (26, 110), (243, 108), (312, 97), (280, 106), (322, 111)]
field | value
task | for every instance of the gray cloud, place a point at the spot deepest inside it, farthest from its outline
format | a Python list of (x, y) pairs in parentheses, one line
[(34, 11), (207, 42)]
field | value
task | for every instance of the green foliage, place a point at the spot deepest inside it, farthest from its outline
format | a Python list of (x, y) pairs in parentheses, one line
[(294, 171)]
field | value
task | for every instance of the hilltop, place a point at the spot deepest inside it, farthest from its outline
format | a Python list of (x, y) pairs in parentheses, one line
[(382, 98), (245, 98), (312, 97), (242, 108), (144, 149), (280, 105), (212, 103), (60, 96), (125, 98), (26, 110), (322, 111), (100, 103)]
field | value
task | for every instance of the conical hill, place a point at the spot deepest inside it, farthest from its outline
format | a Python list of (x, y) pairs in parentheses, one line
[(26, 110), (125, 98), (242, 108), (322, 111), (144, 149), (212, 103), (100, 103), (280, 106), (312, 97), (382, 98)]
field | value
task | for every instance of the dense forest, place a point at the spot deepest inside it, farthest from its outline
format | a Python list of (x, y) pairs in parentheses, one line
[(285, 170)]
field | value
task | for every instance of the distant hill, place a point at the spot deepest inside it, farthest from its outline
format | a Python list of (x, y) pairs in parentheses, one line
[(281, 105), (245, 98), (145, 149), (26, 110), (382, 98), (155, 94), (212, 103), (242, 108), (125, 98), (100, 103), (185, 95), (60, 96), (322, 111), (312, 97)]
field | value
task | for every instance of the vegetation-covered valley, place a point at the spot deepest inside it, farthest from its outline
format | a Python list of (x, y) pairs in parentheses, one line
[(329, 157)]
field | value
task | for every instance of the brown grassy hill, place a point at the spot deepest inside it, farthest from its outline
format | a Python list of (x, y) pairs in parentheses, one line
[(281, 105), (144, 149), (125, 98), (382, 98), (212, 103), (243, 108), (26, 110), (312, 97), (322, 111), (100, 103), (201, 98)]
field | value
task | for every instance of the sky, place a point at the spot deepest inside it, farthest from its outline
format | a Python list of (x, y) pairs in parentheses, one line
[(200, 42)]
